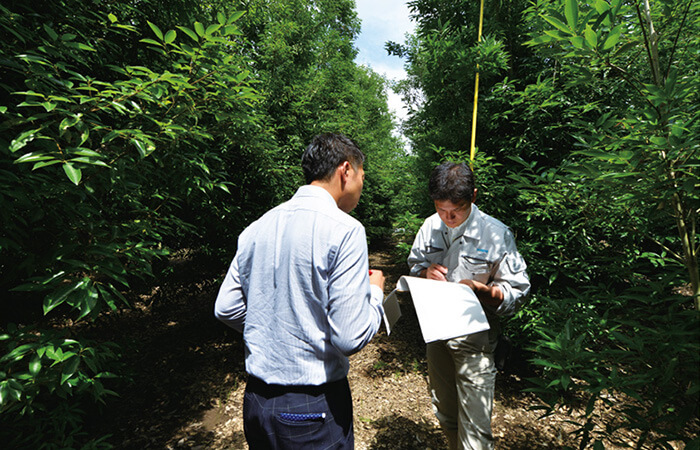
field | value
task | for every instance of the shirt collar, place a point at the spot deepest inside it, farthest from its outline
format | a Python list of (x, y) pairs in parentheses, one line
[(471, 228), (309, 190)]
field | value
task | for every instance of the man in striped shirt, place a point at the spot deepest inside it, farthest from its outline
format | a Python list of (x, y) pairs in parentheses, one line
[(301, 292)]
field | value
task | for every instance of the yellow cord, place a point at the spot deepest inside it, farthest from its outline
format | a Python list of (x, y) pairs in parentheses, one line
[(472, 151)]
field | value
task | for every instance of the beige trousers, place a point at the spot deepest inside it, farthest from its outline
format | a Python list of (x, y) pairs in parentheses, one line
[(462, 384)]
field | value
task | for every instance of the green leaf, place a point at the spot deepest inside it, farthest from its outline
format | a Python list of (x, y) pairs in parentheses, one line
[(82, 46), (545, 363), (144, 148), (591, 37), (601, 6), (8, 389), (69, 122), (89, 160), (150, 41), (199, 28), (74, 174), (232, 29), (33, 157), (18, 353), (69, 368), (571, 13), (156, 30), (613, 38), (23, 139), (211, 29), (558, 24), (110, 136), (35, 365), (221, 18), (89, 301), (112, 18), (235, 16), (189, 33), (49, 106), (170, 36), (576, 41), (542, 39), (52, 34), (82, 151), (565, 380)]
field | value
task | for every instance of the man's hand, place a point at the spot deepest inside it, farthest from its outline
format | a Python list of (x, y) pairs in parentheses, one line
[(376, 277), (488, 295), (435, 272)]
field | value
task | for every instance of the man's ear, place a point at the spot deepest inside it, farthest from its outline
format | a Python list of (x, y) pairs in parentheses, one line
[(344, 171), (474, 196)]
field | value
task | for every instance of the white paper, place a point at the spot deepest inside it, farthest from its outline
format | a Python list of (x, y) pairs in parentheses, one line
[(445, 310), (392, 311)]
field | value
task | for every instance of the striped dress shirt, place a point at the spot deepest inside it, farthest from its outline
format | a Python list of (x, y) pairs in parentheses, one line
[(298, 289)]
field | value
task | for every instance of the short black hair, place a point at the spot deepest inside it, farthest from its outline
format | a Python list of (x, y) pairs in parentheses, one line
[(452, 181), (326, 152)]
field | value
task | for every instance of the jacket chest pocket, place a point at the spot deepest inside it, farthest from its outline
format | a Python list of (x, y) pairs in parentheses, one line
[(434, 254), (476, 269)]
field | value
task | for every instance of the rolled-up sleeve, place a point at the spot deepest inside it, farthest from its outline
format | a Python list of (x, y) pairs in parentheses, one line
[(230, 305)]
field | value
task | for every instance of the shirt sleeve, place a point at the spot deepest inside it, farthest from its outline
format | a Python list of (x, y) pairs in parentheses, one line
[(511, 276), (354, 305), (230, 306), (417, 258)]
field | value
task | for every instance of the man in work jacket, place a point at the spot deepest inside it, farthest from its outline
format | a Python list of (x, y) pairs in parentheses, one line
[(459, 243)]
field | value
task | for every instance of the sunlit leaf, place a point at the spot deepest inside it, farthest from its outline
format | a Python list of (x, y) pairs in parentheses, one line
[(74, 174), (189, 33), (23, 139), (561, 26), (571, 13), (199, 28), (591, 37), (170, 36), (156, 30)]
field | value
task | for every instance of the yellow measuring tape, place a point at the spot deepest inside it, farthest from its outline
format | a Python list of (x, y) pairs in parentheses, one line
[(472, 151)]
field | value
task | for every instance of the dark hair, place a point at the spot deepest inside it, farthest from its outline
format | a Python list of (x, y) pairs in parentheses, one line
[(326, 152), (453, 182)]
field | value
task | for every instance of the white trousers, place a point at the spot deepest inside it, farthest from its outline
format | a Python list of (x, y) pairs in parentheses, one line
[(462, 386)]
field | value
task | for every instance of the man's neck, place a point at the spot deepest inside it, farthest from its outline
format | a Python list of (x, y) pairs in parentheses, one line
[(332, 186)]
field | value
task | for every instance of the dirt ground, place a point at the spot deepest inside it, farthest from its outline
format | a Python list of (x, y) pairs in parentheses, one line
[(186, 377)]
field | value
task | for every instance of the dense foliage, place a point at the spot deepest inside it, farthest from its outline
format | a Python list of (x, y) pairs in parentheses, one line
[(588, 134), (126, 133)]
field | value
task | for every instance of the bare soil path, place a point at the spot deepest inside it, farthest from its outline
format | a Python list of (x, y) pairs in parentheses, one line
[(186, 377)]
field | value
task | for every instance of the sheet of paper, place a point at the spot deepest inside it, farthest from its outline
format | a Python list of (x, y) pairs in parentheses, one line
[(392, 311), (445, 310)]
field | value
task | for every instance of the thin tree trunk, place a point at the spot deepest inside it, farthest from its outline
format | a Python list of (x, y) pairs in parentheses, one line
[(653, 43)]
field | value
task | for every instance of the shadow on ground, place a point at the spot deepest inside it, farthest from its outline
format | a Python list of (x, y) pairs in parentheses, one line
[(177, 361)]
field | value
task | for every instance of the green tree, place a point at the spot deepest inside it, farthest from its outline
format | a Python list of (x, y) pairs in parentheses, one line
[(635, 170), (646, 138), (98, 157), (304, 56), (591, 136)]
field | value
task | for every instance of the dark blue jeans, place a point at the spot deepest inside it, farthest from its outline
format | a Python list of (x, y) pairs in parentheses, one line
[(298, 417)]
